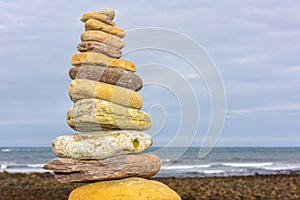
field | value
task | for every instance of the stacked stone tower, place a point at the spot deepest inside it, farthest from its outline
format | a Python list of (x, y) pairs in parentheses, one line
[(106, 115)]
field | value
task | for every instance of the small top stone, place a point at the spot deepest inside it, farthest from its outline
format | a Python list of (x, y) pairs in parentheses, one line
[(108, 12), (98, 16)]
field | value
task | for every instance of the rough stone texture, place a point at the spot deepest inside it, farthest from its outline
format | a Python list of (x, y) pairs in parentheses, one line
[(100, 145), (123, 64), (108, 75), (90, 115), (87, 89), (93, 58), (93, 24), (108, 12), (125, 189), (69, 170), (100, 36), (98, 16), (110, 51)]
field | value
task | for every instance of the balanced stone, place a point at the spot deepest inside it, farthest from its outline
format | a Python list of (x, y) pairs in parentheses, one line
[(93, 58), (69, 170), (93, 24), (125, 189), (100, 145), (99, 48), (98, 16), (100, 36), (108, 12), (89, 115), (87, 89), (114, 76)]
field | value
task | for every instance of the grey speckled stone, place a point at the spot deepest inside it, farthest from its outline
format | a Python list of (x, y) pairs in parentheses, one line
[(100, 145), (89, 115), (114, 76)]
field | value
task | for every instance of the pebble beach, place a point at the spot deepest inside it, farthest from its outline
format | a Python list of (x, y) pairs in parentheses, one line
[(43, 186)]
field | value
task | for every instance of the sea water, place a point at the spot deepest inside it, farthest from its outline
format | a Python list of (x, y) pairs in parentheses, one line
[(178, 162)]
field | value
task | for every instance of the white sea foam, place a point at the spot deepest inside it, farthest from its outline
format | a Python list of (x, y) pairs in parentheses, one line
[(248, 165), (185, 167), (35, 165), (14, 167), (26, 170), (213, 171), (166, 160), (279, 167), (3, 166), (6, 150)]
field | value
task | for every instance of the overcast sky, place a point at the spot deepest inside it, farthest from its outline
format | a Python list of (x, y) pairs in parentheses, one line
[(254, 45)]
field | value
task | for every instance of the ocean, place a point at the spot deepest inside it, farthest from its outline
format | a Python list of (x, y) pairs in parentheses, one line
[(178, 162)]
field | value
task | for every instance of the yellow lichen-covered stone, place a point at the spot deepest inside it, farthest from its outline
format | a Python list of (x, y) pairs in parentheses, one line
[(87, 89), (93, 58), (89, 115), (100, 145), (98, 16), (93, 24), (123, 64), (125, 189), (105, 38)]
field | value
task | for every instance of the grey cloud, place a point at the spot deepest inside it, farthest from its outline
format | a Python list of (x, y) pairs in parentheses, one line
[(254, 44), (295, 108)]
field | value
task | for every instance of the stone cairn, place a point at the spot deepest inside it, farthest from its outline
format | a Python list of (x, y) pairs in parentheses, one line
[(106, 113)]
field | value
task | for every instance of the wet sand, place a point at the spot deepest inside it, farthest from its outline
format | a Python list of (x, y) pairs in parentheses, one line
[(261, 187)]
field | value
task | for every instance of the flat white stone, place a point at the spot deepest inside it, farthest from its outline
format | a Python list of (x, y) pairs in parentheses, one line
[(100, 145)]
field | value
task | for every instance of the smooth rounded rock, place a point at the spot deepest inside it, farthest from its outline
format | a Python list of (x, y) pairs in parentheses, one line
[(114, 76), (100, 36), (125, 189), (87, 89), (69, 170), (108, 12), (98, 47), (93, 24), (96, 59), (89, 115), (98, 16), (100, 145)]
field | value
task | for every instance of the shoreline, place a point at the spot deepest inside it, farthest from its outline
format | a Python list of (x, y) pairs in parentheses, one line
[(20, 186)]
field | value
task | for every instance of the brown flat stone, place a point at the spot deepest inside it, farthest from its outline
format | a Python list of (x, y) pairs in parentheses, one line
[(100, 36), (114, 76), (91, 46), (98, 16), (93, 24), (135, 165)]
